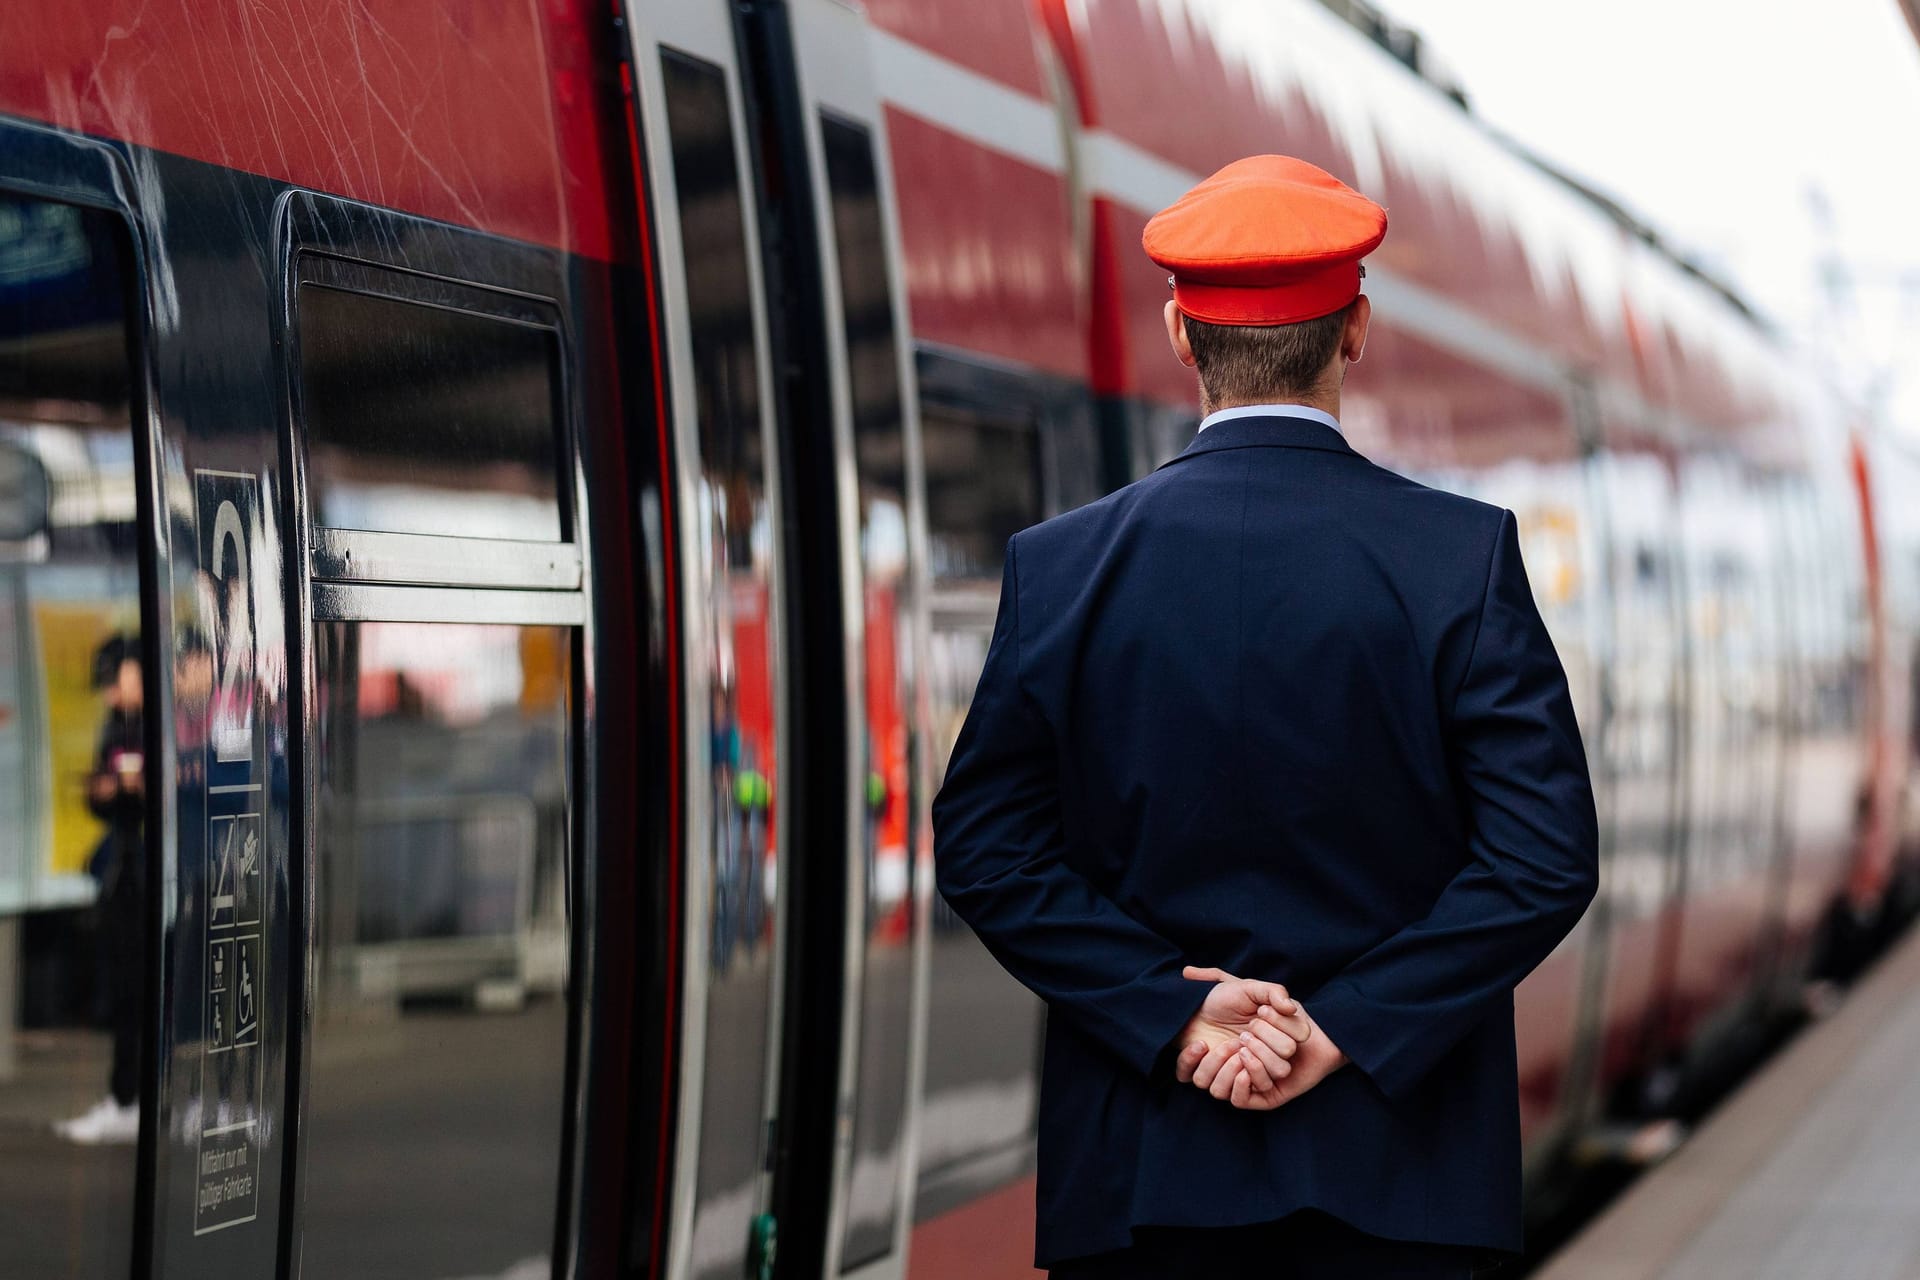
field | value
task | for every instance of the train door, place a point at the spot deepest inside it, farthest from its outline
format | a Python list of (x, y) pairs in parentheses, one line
[(771, 196), (1637, 758), (444, 869), (1733, 752), (1824, 800), (697, 140), (81, 814), (834, 132)]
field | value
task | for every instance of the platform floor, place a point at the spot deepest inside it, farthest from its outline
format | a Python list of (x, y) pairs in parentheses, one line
[(1811, 1170)]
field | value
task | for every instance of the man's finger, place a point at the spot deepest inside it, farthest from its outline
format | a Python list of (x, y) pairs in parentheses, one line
[(1253, 1067), (1242, 1085), (1272, 993), (1211, 1063), (1273, 1038), (1270, 1054), (1296, 1024), (1263, 1099), (1194, 973), (1230, 1071), (1189, 1059)]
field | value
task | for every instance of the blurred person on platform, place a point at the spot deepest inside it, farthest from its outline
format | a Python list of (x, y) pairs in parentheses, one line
[(116, 794), (1272, 790)]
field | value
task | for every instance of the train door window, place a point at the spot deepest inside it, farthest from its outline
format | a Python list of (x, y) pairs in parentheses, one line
[(983, 486), (892, 828), (730, 563), (74, 855), (983, 479), (440, 1028), (441, 789), (427, 420)]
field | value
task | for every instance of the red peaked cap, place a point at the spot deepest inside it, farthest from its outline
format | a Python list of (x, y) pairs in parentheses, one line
[(1267, 240)]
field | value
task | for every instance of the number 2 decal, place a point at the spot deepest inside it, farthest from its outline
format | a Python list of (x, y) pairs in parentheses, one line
[(226, 564)]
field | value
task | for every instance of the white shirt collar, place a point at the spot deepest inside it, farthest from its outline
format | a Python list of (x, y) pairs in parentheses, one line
[(1308, 412)]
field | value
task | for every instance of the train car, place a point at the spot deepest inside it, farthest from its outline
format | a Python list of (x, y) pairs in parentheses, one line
[(500, 517)]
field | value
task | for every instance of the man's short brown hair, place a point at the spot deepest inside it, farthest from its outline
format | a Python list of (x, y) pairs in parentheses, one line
[(1259, 364)]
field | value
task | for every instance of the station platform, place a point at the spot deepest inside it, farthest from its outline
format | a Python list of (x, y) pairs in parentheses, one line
[(1811, 1170)]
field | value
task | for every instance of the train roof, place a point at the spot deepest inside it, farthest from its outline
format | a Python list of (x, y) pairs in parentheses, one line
[(1478, 221)]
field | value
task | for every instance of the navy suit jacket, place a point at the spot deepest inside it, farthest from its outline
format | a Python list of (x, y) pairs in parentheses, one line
[(1276, 709)]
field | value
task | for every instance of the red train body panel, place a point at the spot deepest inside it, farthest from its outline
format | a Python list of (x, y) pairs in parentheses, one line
[(488, 116)]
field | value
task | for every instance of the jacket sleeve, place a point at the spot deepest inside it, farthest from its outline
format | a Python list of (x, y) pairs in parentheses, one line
[(998, 859), (1533, 849)]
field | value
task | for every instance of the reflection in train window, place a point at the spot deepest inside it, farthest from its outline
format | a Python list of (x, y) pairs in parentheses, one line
[(979, 1099), (73, 849), (983, 486), (892, 828), (731, 564), (428, 420), (441, 966)]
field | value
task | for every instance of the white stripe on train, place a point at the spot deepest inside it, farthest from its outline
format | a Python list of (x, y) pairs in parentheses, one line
[(1002, 119)]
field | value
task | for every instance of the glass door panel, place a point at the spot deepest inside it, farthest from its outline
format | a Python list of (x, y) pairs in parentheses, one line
[(75, 871), (440, 1022)]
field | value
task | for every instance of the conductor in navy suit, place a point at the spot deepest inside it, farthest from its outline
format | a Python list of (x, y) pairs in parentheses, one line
[(1272, 791)]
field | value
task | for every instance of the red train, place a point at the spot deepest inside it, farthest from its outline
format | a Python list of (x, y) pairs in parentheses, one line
[(500, 510)]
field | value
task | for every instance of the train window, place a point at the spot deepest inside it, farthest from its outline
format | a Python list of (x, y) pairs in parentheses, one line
[(74, 874), (892, 828), (440, 965), (983, 486), (428, 419), (731, 563)]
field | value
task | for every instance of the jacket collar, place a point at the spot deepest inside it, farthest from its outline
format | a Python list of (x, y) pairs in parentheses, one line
[(1276, 430)]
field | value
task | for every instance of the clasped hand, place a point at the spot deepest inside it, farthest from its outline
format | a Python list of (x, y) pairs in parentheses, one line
[(1252, 1044)]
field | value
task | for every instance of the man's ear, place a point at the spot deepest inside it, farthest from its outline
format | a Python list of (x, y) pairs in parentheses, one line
[(1353, 335), (1177, 333)]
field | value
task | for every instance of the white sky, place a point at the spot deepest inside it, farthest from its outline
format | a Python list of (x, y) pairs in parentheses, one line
[(1714, 121)]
